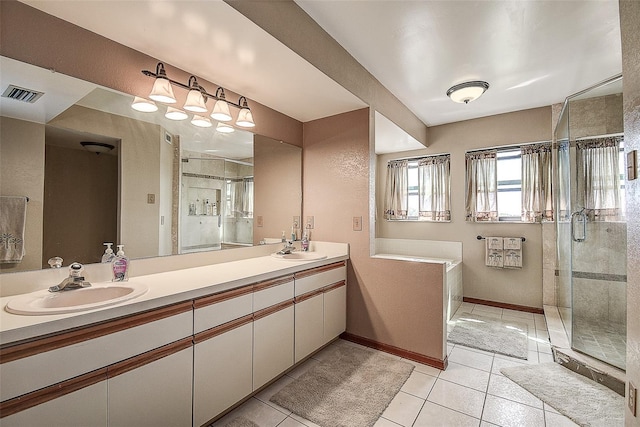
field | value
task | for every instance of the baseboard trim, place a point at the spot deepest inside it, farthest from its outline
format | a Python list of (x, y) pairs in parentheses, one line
[(406, 354), (534, 310)]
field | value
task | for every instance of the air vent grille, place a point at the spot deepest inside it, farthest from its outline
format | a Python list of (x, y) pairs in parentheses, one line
[(22, 94)]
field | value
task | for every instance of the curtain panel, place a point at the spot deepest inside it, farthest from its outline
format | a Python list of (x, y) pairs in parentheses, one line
[(537, 196), (396, 190), (599, 177), (481, 197), (434, 179)]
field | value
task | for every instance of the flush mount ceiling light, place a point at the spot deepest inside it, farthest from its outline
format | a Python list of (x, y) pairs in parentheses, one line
[(224, 128), (197, 98), (175, 114), (467, 92), (144, 105), (97, 147)]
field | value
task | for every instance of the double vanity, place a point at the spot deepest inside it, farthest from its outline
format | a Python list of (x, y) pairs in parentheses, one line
[(183, 346)]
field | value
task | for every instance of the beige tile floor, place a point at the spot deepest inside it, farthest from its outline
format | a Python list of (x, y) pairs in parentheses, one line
[(471, 392)]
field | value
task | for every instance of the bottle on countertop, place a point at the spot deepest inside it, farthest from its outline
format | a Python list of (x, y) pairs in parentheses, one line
[(293, 233), (304, 244), (283, 238), (108, 253), (120, 266)]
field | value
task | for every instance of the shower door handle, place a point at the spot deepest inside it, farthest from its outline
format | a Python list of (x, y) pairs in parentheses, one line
[(579, 226)]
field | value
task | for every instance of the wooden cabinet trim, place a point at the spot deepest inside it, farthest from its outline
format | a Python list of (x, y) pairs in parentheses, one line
[(271, 283), (221, 329), (222, 296), (273, 309), (309, 295), (29, 400), (148, 357), (334, 286), (321, 269), (86, 333)]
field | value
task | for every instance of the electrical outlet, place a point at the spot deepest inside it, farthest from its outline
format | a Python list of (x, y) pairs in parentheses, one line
[(357, 223), (151, 198), (309, 222), (260, 221), (296, 222), (632, 396)]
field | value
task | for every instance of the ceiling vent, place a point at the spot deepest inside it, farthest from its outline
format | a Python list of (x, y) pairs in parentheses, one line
[(22, 94)]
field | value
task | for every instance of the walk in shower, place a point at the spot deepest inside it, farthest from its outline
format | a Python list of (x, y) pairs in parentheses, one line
[(590, 222)]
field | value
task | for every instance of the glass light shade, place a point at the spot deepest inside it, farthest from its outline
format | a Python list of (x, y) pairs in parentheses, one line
[(162, 91), (175, 114), (144, 105), (245, 118), (467, 92), (224, 128), (221, 111), (201, 122), (195, 102)]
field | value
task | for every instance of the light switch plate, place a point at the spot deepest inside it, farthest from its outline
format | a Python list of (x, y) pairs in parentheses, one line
[(151, 198), (357, 223), (632, 397), (309, 222), (632, 165), (259, 220), (296, 222)]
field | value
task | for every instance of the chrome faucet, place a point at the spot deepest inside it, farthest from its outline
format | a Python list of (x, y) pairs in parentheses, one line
[(288, 248), (74, 281)]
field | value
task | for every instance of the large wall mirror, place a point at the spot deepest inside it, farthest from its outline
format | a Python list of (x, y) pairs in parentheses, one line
[(95, 171)]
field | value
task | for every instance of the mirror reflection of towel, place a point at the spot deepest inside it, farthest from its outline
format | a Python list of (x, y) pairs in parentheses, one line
[(13, 216)]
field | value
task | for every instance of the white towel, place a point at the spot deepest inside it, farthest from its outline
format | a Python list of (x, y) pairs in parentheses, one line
[(13, 217), (512, 252), (513, 243), (494, 252)]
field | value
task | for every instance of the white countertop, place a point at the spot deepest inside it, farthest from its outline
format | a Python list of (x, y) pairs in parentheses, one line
[(164, 289)]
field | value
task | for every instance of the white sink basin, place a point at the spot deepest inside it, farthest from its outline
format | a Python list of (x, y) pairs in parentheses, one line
[(300, 256), (45, 302)]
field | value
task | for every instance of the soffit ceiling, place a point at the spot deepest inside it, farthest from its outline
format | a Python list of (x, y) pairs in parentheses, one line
[(532, 53)]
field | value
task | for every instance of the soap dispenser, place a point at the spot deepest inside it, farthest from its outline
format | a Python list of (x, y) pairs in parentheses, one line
[(108, 253), (304, 244), (120, 266)]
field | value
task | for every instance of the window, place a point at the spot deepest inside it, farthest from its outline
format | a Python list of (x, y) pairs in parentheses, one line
[(509, 184), (509, 173), (418, 189)]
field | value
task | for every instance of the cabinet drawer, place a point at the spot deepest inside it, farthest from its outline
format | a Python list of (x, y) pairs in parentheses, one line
[(74, 353), (222, 308), (311, 280), (272, 292)]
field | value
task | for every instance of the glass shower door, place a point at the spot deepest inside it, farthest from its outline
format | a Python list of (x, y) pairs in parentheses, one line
[(591, 228)]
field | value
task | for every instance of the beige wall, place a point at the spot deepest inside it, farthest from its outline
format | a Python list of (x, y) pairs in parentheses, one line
[(277, 171), (140, 144), (81, 204), (520, 287), (23, 175), (34, 37), (629, 25), (391, 302)]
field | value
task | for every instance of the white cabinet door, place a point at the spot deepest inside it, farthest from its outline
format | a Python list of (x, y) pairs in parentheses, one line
[(222, 369), (86, 407), (154, 394), (335, 311), (273, 335), (309, 325)]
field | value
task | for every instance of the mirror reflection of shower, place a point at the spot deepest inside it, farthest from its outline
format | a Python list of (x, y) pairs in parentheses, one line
[(216, 203)]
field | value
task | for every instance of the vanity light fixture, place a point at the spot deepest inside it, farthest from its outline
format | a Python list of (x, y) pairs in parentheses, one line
[(467, 92), (162, 91), (97, 147), (143, 105), (201, 122), (197, 98), (245, 118), (224, 128), (221, 111), (175, 114)]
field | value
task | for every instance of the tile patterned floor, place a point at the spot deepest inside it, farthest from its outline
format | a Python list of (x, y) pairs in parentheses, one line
[(604, 340), (471, 392)]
